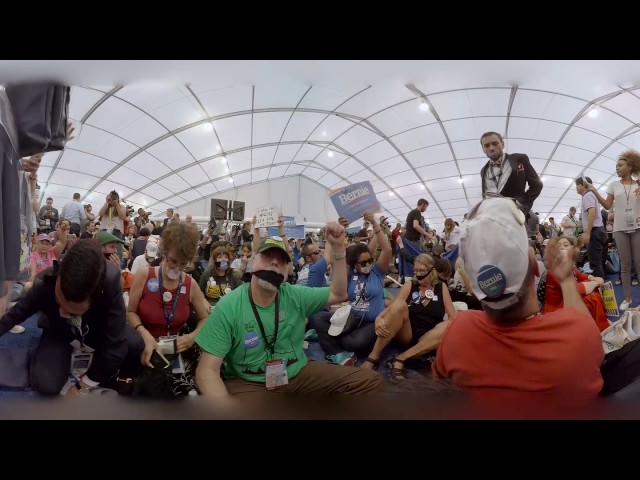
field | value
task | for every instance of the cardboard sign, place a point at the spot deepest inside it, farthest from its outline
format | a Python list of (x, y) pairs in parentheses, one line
[(291, 230), (609, 297), (354, 201), (267, 216)]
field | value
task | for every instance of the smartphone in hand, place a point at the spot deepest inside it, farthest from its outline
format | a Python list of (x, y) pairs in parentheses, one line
[(159, 361)]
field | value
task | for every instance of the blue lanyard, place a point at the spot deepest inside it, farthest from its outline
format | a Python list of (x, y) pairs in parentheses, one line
[(169, 316)]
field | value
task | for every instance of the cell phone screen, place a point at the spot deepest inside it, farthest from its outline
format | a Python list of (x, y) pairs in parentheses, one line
[(159, 361)]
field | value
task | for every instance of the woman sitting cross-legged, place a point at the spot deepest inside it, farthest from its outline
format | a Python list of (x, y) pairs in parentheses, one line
[(160, 302), (414, 318), (366, 297)]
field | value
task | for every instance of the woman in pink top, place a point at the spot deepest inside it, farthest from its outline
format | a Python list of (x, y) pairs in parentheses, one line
[(45, 253)]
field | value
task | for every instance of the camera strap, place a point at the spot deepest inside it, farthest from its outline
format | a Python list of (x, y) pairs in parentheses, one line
[(168, 316)]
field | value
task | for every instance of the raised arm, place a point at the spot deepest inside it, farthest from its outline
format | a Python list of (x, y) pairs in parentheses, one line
[(338, 289)]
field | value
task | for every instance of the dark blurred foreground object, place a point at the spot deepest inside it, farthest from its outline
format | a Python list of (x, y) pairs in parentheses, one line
[(40, 113)]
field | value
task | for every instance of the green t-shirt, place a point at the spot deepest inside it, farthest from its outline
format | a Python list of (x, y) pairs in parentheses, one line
[(232, 332), (214, 291)]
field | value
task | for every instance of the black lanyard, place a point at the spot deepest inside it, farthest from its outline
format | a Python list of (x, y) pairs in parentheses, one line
[(169, 316), (495, 179), (270, 345)]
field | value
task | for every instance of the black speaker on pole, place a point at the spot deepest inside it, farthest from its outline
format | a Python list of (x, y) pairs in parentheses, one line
[(236, 209), (219, 208)]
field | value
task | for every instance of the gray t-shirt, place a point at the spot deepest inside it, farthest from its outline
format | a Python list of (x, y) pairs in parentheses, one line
[(589, 200), (624, 198)]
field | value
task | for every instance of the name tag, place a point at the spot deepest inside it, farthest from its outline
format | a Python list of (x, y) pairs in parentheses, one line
[(183, 289), (276, 373)]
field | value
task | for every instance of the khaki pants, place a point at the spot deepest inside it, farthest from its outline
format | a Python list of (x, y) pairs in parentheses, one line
[(317, 378)]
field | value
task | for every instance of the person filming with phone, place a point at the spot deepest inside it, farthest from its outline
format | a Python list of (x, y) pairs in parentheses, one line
[(114, 215)]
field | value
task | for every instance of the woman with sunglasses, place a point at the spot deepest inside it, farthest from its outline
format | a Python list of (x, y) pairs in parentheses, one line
[(160, 303), (366, 297), (414, 318)]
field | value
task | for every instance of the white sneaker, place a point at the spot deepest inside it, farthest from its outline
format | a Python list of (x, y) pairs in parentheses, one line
[(17, 329), (624, 305)]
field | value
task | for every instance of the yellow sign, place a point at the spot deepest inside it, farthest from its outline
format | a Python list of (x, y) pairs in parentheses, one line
[(609, 297)]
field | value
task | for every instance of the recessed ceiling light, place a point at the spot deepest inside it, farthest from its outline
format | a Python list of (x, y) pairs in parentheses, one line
[(424, 107), (207, 127), (330, 154), (217, 147), (593, 113), (542, 179), (230, 180), (460, 180), (223, 160), (391, 194), (421, 187), (324, 133)]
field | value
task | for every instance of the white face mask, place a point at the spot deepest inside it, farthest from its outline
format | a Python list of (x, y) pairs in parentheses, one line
[(173, 274)]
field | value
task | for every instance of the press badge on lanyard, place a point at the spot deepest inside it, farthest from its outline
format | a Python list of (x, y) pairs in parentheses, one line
[(275, 370)]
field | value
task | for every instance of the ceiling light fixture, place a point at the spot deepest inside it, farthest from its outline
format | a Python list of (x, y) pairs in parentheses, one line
[(324, 133), (422, 187), (542, 179), (391, 194), (330, 154), (223, 160), (207, 127), (460, 180), (593, 113), (424, 107), (230, 179), (218, 147)]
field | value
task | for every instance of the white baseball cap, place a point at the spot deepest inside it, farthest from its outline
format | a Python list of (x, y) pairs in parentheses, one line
[(151, 250), (339, 320), (495, 251)]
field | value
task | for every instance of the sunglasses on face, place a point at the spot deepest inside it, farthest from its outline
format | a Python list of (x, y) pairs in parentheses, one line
[(317, 252), (364, 263)]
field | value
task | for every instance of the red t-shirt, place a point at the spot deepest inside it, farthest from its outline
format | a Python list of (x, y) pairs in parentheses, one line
[(394, 236), (150, 308), (558, 353)]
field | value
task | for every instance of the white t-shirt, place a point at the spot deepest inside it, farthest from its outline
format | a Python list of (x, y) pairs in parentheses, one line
[(452, 238), (139, 263), (624, 198), (589, 200), (113, 223), (569, 231)]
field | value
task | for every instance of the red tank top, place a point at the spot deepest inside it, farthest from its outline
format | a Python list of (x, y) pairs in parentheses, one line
[(150, 308)]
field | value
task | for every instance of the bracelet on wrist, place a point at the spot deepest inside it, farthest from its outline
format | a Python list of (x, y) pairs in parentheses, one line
[(138, 326), (339, 256)]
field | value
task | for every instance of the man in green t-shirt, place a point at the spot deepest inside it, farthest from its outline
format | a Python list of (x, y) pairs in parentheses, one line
[(258, 331)]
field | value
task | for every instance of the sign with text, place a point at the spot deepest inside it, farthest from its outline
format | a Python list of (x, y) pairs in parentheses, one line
[(267, 216), (354, 201), (609, 297), (291, 230)]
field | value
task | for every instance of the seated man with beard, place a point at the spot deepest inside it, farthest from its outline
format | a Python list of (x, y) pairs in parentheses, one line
[(258, 331)]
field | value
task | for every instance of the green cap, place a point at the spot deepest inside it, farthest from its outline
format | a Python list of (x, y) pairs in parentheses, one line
[(268, 243), (105, 238)]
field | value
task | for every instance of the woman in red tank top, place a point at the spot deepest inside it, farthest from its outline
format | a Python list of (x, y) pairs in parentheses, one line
[(161, 300)]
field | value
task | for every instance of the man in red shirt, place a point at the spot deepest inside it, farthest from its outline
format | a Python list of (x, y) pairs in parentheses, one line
[(509, 351)]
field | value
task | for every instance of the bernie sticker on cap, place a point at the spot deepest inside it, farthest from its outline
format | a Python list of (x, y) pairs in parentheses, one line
[(491, 281)]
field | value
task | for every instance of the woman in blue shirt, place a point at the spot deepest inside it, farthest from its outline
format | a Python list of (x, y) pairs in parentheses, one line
[(366, 297)]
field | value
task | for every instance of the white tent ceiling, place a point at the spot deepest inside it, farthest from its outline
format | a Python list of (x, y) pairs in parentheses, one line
[(161, 138)]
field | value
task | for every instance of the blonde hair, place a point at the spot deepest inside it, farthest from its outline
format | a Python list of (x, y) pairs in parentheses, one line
[(427, 261), (449, 225)]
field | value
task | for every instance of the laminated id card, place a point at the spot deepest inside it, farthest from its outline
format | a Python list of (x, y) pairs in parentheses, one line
[(276, 373)]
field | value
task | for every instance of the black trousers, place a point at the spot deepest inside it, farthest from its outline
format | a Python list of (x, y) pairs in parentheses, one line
[(360, 340), (597, 251), (51, 363)]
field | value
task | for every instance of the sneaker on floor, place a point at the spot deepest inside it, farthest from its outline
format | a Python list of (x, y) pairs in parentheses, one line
[(17, 329), (624, 305), (343, 358), (311, 335)]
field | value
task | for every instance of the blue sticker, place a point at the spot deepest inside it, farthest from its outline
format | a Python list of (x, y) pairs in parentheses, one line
[(39, 263), (251, 340), (415, 295), (492, 281), (153, 285)]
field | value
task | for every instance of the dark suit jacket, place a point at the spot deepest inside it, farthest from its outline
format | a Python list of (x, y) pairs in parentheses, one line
[(106, 319), (522, 173)]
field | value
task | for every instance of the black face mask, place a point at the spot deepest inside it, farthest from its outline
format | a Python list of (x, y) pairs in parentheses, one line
[(422, 277), (274, 278)]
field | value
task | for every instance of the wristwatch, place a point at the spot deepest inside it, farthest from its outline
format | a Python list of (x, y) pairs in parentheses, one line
[(83, 390)]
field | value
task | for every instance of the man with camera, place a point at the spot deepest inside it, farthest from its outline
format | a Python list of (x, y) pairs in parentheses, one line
[(48, 217)]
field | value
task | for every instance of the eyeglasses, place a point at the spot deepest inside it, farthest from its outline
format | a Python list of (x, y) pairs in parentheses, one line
[(181, 265), (364, 263), (423, 272)]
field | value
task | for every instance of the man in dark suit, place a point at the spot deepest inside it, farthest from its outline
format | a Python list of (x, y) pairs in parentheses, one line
[(508, 174), (80, 300)]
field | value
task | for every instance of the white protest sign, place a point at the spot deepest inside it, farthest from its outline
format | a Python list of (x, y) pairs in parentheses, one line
[(267, 216)]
